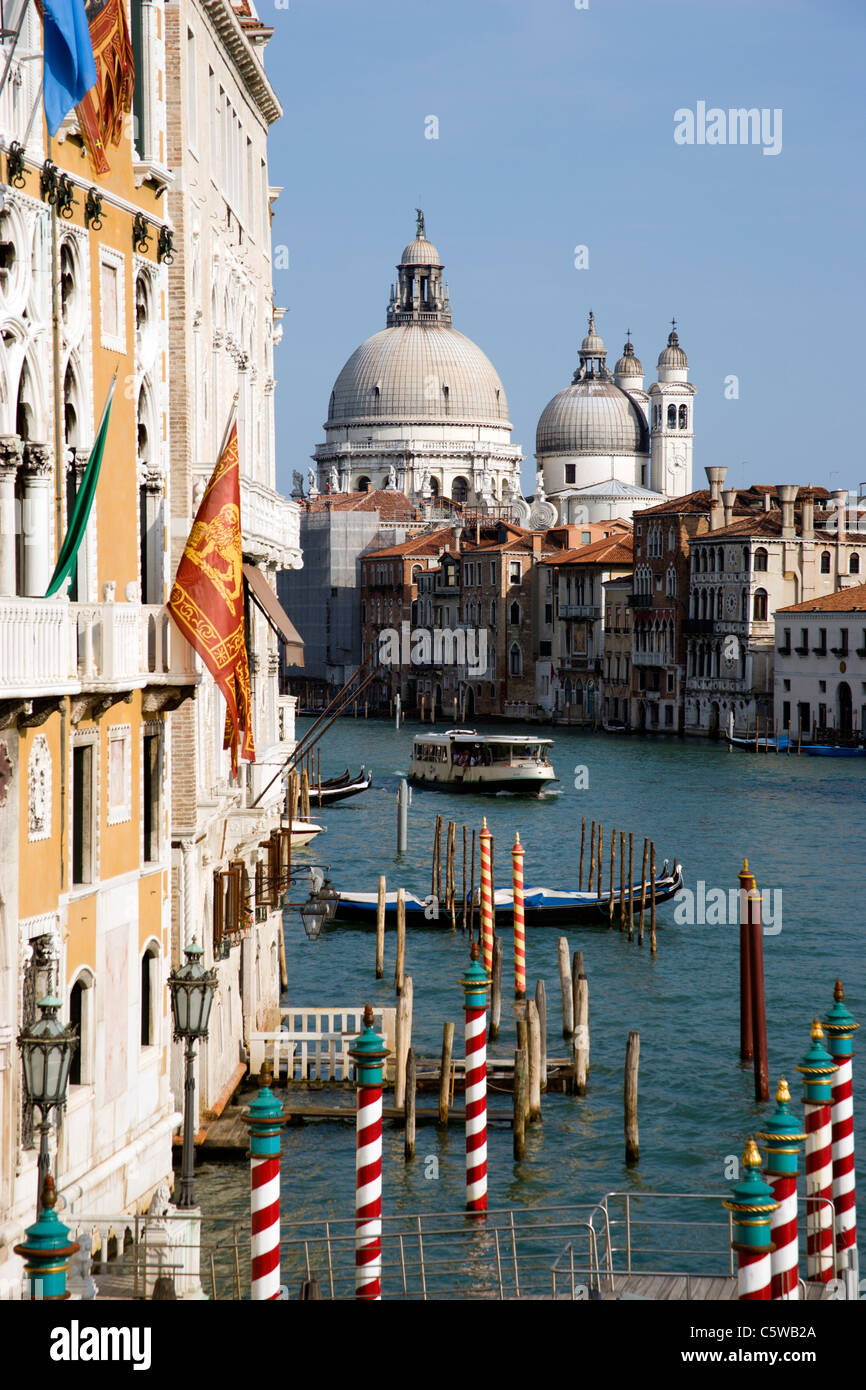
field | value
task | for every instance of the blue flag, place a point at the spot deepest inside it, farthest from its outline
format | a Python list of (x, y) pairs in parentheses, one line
[(69, 69)]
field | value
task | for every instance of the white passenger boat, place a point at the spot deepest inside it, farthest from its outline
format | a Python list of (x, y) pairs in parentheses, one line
[(303, 831), (462, 760)]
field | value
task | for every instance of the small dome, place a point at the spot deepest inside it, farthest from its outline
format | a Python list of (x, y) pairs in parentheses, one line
[(591, 418), (628, 364), (593, 343), (420, 252), (673, 355)]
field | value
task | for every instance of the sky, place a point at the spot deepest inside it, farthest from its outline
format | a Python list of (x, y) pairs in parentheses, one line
[(556, 130)]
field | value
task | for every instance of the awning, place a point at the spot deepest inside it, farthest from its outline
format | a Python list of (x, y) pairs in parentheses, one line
[(265, 599)]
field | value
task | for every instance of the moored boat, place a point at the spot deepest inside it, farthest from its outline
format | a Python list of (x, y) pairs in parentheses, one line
[(543, 907), (462, 760), (303, 831), (339, 788)]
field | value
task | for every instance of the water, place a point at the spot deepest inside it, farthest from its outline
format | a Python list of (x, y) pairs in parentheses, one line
[(801, 823)]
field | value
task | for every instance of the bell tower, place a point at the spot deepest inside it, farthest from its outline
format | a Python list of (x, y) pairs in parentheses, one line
[(419, 296), (671, 421)]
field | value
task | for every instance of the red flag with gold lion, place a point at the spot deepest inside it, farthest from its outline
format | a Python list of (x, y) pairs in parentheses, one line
[(207, 601)]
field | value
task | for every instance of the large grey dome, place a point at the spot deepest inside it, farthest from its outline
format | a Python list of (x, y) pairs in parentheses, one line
[(414, 372), (591, 417)]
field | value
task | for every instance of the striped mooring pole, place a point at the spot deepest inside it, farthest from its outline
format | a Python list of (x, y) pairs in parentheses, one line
[(484, 840), (47, 1249), (368, 1054), (265, 1118), (782, 1139), (840, 1028), (753, 1204), (818, 1069), (519, 924), (475, 986)]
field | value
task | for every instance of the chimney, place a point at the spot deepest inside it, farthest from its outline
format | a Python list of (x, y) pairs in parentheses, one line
[(729, 497), (787, 493), (808, 519), (840, 499), (715, 478), (768, 501)]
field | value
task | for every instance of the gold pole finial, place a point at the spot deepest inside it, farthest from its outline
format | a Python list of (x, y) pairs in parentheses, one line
[(817, 1032), (751, 1154), (838, 992), (783, 1095)]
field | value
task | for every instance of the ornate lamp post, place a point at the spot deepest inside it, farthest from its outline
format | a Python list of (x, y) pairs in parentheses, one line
[(46, 1054), (192, 991)]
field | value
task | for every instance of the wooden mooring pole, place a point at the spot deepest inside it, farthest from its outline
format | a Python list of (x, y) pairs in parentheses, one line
[(496, 989), (401, 941), (541, 1006), (565, 985), (409, 1112), (632, 1058), (445, 1073), (380, 928), (581, 1036)]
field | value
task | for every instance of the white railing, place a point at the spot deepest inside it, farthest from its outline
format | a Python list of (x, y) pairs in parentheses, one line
[(109, 643), (314, 1043), (579, 610), (49, 645), (286, 706), (37, 648), (166, 656), (649, 659), (270, 523)]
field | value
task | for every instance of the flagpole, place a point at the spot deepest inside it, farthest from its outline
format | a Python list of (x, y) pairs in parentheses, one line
[(58, 400)]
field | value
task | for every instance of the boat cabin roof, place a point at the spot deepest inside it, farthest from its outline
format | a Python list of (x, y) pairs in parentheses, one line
[(470, 736)]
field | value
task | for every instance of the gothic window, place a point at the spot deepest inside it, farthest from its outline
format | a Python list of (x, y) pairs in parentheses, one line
[(744, 600), (81, 1015), (149, 997), (761, 559), (719, 612), (854, 564), (515, 661), (514, 615), (759, 607), (672, 417), (825, 562), (684, 417)]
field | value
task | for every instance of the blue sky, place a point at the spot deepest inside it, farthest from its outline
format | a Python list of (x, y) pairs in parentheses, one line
[(556, 129)]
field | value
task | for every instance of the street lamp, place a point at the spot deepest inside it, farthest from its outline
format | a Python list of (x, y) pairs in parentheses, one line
[(46, 1054), (192, 991)]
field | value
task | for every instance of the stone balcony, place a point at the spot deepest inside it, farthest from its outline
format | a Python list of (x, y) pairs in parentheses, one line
[(270, 523), (650, 659), (50, 648), (592, 611)]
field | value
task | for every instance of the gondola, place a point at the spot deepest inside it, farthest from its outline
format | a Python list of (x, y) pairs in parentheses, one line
[(338, 788), (542, 907), (781, 744)]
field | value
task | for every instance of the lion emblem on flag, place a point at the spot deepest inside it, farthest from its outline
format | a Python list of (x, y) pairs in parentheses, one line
[(213, 546)]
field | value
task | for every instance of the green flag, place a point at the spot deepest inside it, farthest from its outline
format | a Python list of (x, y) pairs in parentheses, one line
[(68, 557)]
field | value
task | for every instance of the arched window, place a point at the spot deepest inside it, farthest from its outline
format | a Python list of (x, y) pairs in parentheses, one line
[(514, 615), (81, 1014), (684, 417), (746, 558), (672, 417), (434, 487), (515, 660), (149, 996), (459, 490), (761, 559), (744, 604), (363, 484), (854, 564), (759, 606), (719, 613), (825, 562)]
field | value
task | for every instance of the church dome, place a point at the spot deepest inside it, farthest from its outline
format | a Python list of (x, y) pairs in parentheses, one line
[(418, 371), (628, 364), (591, 417), (673, 355)]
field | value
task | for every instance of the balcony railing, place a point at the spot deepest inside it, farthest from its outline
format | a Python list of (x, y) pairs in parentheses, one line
[(55, 647), (650, 659), (580, 610), (271, 523)]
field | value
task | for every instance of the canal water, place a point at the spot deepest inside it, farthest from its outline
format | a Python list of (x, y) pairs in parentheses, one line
[(802, 824)]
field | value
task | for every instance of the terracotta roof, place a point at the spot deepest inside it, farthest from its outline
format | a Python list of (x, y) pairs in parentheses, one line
[(680, 506), (390, 504), (424, 543), (767, 524), (842, 601), (611, 550)]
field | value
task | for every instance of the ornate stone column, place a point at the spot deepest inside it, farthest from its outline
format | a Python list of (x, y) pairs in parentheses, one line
[(11, 450), (36, 518)]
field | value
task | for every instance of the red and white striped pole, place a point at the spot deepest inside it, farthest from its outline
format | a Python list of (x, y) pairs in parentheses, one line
[(840, 1027), (818, 1069), (264, 1118), (519, 923), (368, 1055), (485, 841), (782, 1139), (752, 1204), (475, 985)]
